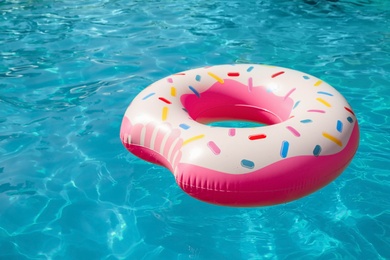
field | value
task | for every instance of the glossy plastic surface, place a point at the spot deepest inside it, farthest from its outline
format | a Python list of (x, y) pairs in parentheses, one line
[(310, 137)]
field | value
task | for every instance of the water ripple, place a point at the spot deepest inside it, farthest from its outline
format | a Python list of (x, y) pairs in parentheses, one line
[(68, 70)]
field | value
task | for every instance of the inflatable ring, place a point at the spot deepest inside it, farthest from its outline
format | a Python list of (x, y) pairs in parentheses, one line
[(309, 138)]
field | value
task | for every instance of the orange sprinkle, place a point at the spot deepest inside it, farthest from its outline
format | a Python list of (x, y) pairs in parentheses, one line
[(323, 102), (332, 138), (194, 138), (164, 113), (173, 91), (215, 77), (318, 83)]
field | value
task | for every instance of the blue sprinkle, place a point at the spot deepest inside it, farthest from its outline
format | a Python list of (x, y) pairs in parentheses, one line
[(296, 104), (198, 77), (284, 149), (250, 69), (148, 96), (194, 90), (325, 93), (306, 77), (339, 126), (184, 126), (317, 150), (247, 164), (350, 119), (305, 121)]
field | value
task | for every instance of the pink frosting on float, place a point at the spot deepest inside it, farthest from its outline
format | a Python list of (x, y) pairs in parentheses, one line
[(125, 129), (161, 138), (149, 155), (224, 101), (281, 182)]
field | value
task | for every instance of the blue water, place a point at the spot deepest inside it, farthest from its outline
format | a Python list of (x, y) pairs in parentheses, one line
[(69, 69)]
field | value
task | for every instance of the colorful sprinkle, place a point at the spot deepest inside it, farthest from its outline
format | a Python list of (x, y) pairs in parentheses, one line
[(233, 74), (164, 113), (184, 126), (173, 91), (323, 102), (257, 137), (277, 74), (305, 121), (250, 69), (170, 80), (215, 77), (247, 164), (332, 138), (350, 119), (289, 93), (293, 131), (317, 150), (296, 104), (306, 77), (214, 148), (194, 138), (180, 74), (339, 126), (316, 110), (284, 149), (325, 93), (198, 77), (319, 82), (148, 96), (250, 84), (165, 100), (194, 90), (349, 110), (232, 132)]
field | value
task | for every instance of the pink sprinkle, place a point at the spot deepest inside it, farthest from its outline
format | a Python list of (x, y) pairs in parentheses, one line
[(214, 148), (293, 131), (250, 84), (232, 132), (316, 110), (289, 93), (170, 80)]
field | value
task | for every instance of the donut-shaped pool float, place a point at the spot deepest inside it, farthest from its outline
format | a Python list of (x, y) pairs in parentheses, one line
[(309, 137)]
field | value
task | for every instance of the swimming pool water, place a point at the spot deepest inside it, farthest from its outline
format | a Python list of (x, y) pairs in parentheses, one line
[(69, 69)]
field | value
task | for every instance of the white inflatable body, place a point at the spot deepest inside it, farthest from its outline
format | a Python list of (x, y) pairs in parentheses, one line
[(311, 132)]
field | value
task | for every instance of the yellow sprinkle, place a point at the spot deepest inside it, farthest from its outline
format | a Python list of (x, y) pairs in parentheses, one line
[(215, 77), (164, 113), (318, 83), (173, 91), (193, 139), (323, 102), (332, 138)]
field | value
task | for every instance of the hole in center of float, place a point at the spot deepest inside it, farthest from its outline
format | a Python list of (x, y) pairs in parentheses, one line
[(235, 124), (236, 116), (231, 101)]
